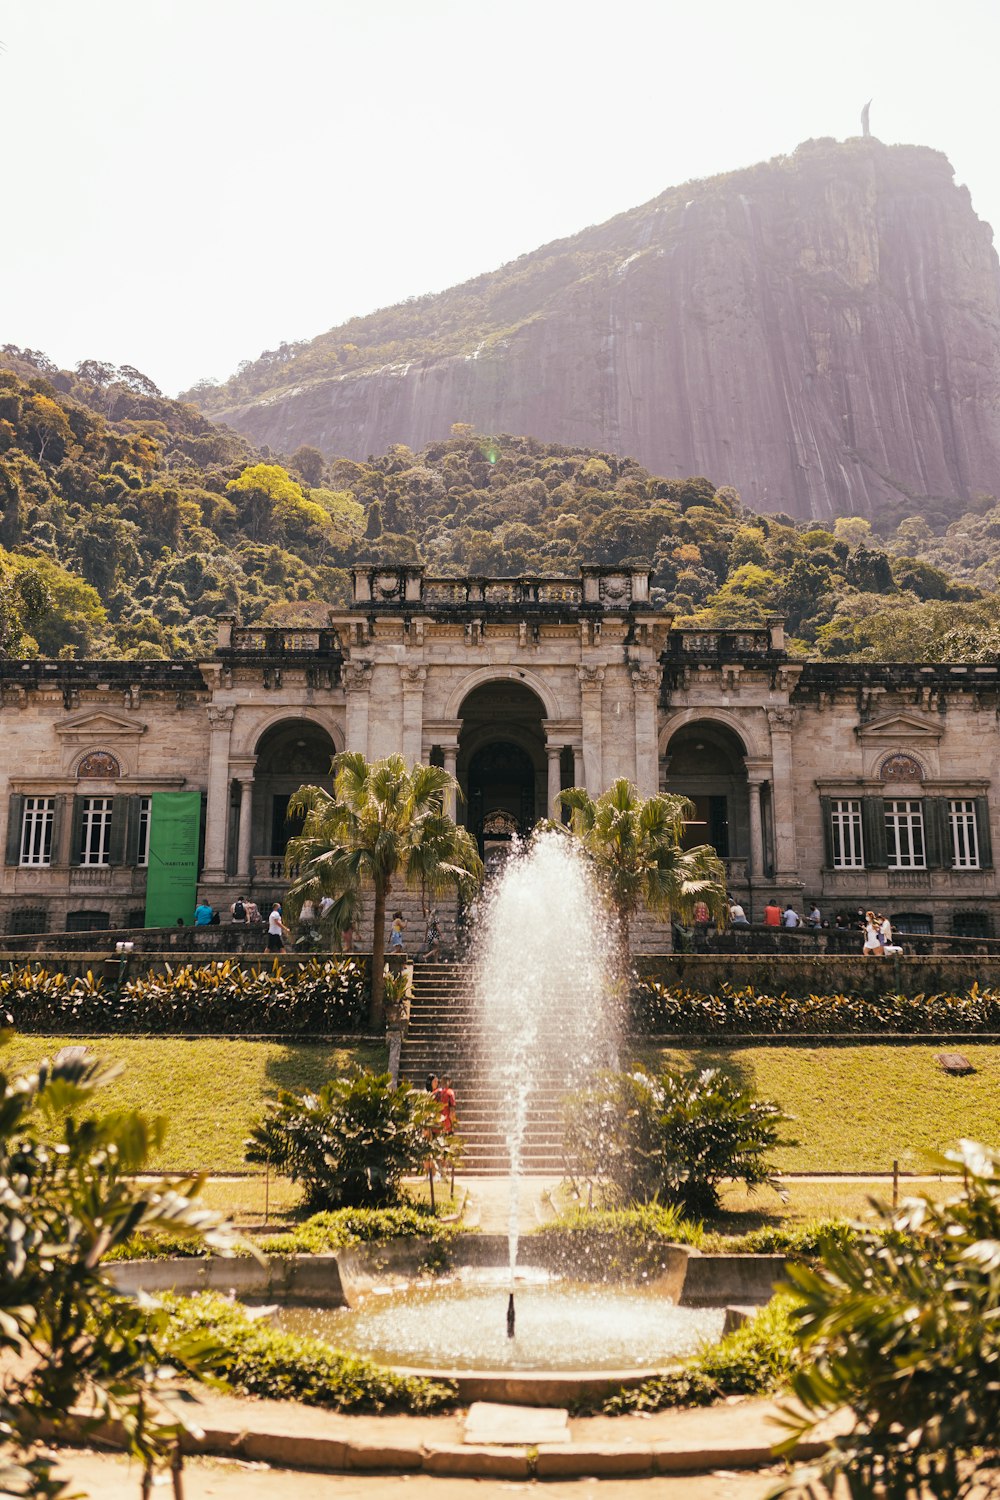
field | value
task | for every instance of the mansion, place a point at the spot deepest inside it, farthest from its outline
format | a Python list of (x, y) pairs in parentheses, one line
[(844, 783)]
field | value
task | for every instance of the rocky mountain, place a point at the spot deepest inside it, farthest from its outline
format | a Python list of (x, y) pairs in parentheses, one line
[(821, 331)]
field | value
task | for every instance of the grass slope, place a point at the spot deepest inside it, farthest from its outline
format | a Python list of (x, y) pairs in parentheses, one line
[(856, 1109), (210, 1091)]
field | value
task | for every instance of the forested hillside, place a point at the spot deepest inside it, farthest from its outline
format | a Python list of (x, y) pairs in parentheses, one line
[(129, 522)]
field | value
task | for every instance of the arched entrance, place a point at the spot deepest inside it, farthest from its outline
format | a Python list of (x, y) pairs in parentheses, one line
[(705, 761), (292, 753), (501, 764)]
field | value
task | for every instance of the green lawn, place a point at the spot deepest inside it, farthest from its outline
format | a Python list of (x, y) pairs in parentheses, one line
[(211, 1091), (855, 1109)]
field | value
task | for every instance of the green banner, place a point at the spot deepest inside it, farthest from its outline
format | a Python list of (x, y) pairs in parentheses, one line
[(172, 883)]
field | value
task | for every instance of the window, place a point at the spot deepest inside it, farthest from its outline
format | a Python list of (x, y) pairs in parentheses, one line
[(972, 924), (904, 835), (964, 834), (37, 819), (848, 844), (915, 923), (142, 856), (29, 919), (95, 841), (87, 921)]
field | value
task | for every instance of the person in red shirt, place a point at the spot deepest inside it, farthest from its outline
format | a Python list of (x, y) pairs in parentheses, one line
[(445, 1096), (772, 914)]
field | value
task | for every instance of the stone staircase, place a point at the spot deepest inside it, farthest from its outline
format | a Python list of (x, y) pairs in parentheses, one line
[(441, 1038)]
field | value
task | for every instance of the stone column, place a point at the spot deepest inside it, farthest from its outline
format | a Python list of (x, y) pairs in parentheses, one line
[(450, 753), (554, 753), (357, 679), (413, 679), (786, 865), (757, 861), (220, 722), (591, 687), (243, 870), (578, 774), (646, 689)]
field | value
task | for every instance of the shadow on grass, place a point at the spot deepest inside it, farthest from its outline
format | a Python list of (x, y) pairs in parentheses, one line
[(297, 1066)]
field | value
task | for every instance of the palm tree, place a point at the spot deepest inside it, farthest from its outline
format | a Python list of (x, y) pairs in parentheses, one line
[(635, 845), (383, 823)]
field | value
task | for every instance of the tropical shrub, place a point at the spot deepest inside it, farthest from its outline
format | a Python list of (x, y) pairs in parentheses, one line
[(258, 1360), (318, 1235), (68, 1197), (674, 1137), (352, 1143), (616, 1244), (904, 1331), (323, 996), (660, 1009)]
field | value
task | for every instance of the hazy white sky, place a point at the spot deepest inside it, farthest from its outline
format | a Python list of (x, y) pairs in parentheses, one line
[(188, 182)]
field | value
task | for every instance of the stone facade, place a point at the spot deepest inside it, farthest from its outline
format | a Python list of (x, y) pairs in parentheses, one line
[(845, 783)]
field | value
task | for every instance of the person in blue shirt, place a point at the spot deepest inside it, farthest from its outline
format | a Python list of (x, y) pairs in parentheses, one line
[(202, 914)]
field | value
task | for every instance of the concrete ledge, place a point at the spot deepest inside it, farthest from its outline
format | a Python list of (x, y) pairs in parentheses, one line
[(596, 1458), (497, 1463)]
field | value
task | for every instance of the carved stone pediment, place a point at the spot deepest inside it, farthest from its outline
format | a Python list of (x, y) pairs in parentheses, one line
[(94, 727), (901, 727)]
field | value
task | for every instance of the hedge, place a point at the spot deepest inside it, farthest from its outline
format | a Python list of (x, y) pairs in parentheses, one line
[(322, 996), (660, 1009)]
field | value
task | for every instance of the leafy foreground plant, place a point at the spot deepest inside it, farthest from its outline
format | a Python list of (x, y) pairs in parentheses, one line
[(67, 1198), (259, 1360), (352, 1143), (674, 1138), (904, 1330)]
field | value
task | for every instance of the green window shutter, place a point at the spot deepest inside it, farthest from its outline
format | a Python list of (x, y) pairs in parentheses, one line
[(119, 823), (983, 830), (15, 817), (826, 812), (132, 834), (873, 831), (76, 831), (937, 833), (58, 818)]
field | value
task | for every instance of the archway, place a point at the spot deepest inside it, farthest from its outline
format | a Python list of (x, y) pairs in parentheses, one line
[(705, 762), (501, 762), (292, 753)]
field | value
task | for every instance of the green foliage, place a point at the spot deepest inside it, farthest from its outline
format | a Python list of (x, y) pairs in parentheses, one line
[(69, 1196), (906, 1335), (616, 1244), (659, 1008), (383, 823), (258, 1360), (635, 846), (322, 996), (352, 1142), (673, 1138), (320, 1234), (753, 1360)]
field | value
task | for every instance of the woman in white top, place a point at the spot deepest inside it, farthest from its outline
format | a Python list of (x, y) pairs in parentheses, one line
[(872, 946)]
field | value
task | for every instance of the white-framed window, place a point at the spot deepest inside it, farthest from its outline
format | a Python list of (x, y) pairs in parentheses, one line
[(848, 842), (964, 833), (95, 838), (904, 835), (142, 857), (37, 819)]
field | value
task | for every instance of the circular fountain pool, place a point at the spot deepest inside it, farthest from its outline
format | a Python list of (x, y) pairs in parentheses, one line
[(460, 1323)]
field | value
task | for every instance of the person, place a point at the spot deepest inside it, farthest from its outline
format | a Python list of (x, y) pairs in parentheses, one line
[(347, 939), (772, 914), (238, 912), (840, 921), (254, 917), (397, 941), (871, 946), (737, 915), (202, 914), (889, 948), (431, 950), (277, 932), (308, 918), (445, 1096), (791, 917), (701, 914), (814, 918)]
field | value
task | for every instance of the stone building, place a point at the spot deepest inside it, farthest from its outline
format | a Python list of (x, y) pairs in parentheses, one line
[(848, 784)]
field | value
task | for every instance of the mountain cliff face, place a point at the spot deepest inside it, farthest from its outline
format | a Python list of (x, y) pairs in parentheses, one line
[(821, 331)]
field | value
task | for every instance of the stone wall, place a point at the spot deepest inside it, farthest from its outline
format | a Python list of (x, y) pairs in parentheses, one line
[(829, 974)]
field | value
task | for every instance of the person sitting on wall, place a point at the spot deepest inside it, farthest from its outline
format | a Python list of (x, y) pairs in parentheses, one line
[(238, 912), (203, 914), (791, 917), (814, 918), (772, 914), (737, 916)]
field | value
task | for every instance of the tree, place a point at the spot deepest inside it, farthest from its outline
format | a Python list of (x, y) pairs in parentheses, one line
[(383, 823), (635, 846), (310, 463)]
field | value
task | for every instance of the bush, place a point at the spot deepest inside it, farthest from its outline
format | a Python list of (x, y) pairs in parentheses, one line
[(658, 1009), (751, 1361), (219, 998), (674, 1137), (902, 1327), (616, 1243), (351, 1144), (318, 1235), (258, 1360)]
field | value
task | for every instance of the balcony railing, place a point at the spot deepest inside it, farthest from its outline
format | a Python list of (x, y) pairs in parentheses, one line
[(273, 641), (719, 643)]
